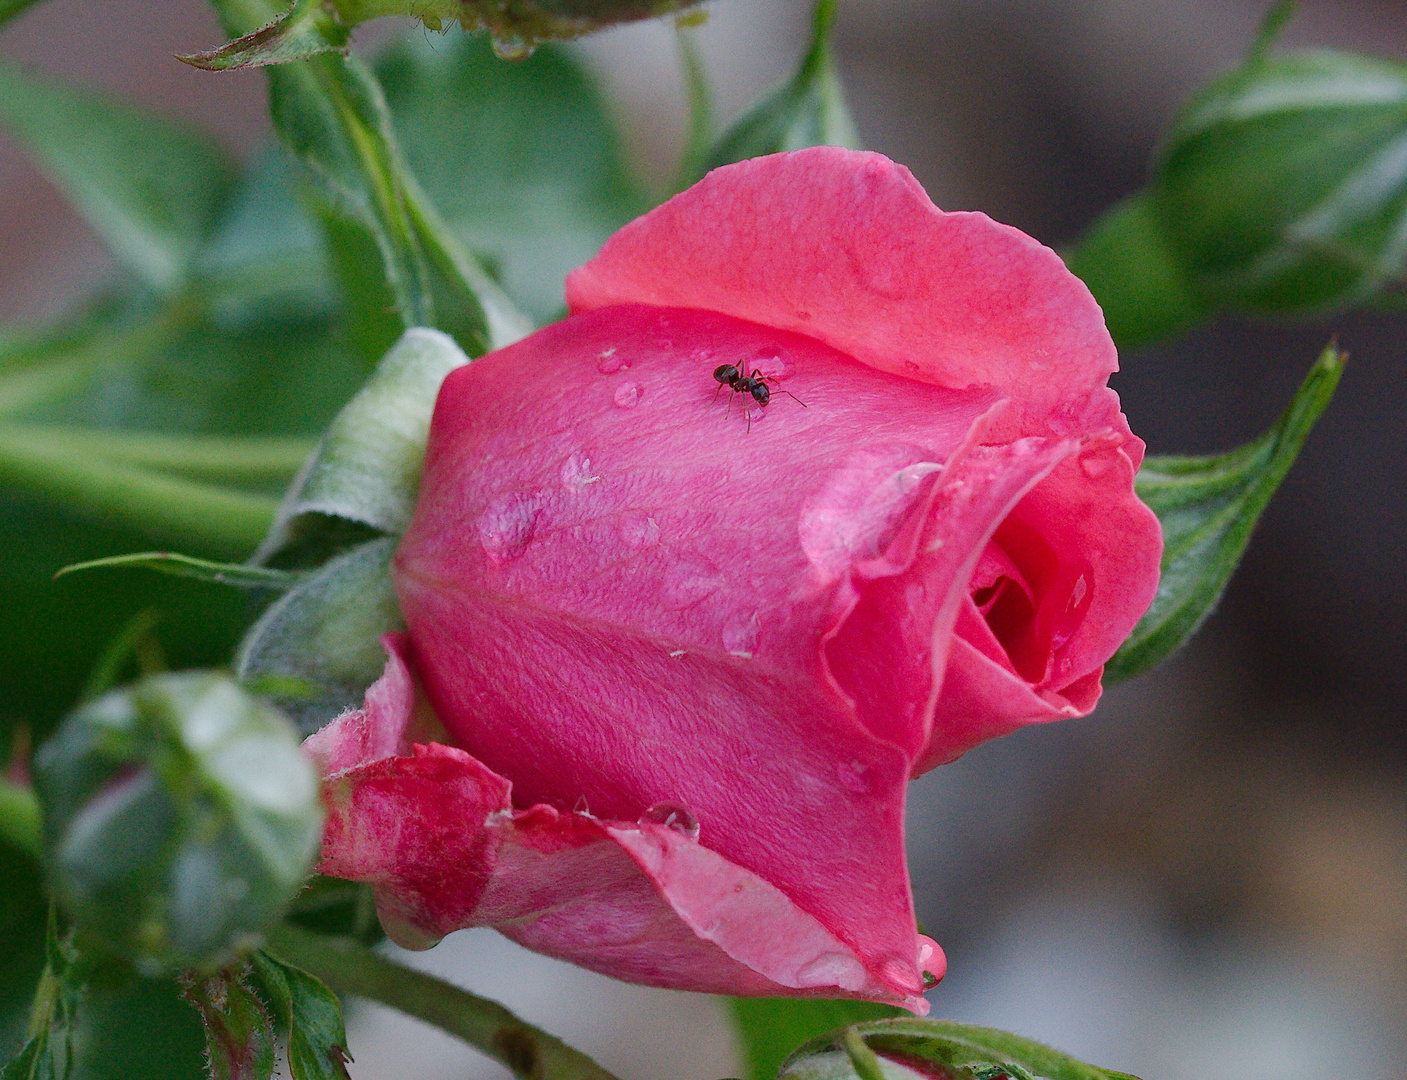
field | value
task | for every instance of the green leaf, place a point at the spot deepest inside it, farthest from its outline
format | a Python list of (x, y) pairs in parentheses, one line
[(521, 159), (306, 29), (10, 8), (265, 259), (913, 1049), (33, 1061), (1141, 286), (1208, 507), (20, 825), (809, 110), (149, 186), (240, 575), (771, 1028), (325, 634), (331, 114), (699, 94), (317, 1037), (1282, 186), (239, 1034)]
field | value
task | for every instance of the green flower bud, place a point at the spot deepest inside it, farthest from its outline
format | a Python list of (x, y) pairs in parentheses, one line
[(180, 818), (1283, 185)]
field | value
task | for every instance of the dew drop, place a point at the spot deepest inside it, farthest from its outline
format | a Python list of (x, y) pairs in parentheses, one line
[(639, 531), (1095, 465), (832, 969), (512, 48), (774, 362), (672, 816), (688, 581), (507, 525), (855, 776), (627, 395), (910, 368), (740, 634), (898, 973), (611, 361), (576, 472), (1078, 594)]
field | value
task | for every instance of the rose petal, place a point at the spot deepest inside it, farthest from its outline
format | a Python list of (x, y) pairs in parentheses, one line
[(436, 834), (847, 248)]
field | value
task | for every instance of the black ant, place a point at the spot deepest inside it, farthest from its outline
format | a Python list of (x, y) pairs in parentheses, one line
[(754, 385)]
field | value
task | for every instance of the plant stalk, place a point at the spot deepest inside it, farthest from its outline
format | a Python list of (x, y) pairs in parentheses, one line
[(214, 520), (351, 968)]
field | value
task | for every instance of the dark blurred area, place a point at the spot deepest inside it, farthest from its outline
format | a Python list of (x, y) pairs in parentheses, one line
[(1209, 875)]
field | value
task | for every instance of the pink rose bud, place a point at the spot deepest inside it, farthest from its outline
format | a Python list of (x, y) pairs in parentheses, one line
[(688, 649)]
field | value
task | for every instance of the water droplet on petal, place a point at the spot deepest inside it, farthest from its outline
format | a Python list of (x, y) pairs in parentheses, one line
[(690, 580), (855, 776), (740, 634), (911, 369), (930, 980), (896, 972), (611, 362), (773, 361), (627, 395), (512, 48), (832, 969), (672, 816), (1095, 465), (507, 525), (576, 472), (639, 531), (1078, 594)]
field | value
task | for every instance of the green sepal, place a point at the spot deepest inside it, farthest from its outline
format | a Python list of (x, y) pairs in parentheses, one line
[(312, 1016), (150, 186), (366, 468), (808, 110), (1208, 507), (240, 575), (322, 639), (910, 1049), (1282, 186), (315, 26), (770, 1029), (239, 1032), (306, 29), (1134, 275), (10, 8)]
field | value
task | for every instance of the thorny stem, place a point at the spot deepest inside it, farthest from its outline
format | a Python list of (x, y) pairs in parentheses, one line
[(351, 968)]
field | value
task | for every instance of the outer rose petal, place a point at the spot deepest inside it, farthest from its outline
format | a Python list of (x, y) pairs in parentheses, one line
[(629, 608), (435, 832), (846, 247)]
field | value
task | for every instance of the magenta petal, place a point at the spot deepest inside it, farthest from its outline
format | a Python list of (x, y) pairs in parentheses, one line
[(847, 248), (435, 832)]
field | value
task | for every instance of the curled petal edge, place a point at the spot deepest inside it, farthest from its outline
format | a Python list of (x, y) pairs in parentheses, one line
[(434, 831)]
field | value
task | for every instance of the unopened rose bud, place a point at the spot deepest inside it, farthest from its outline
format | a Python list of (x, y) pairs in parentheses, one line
[(180, 818), (1283, 185)]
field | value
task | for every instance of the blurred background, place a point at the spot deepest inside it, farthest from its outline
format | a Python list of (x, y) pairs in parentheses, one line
[(1207, 877)]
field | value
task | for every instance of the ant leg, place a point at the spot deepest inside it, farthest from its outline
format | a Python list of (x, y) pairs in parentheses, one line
[(794, 398)]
